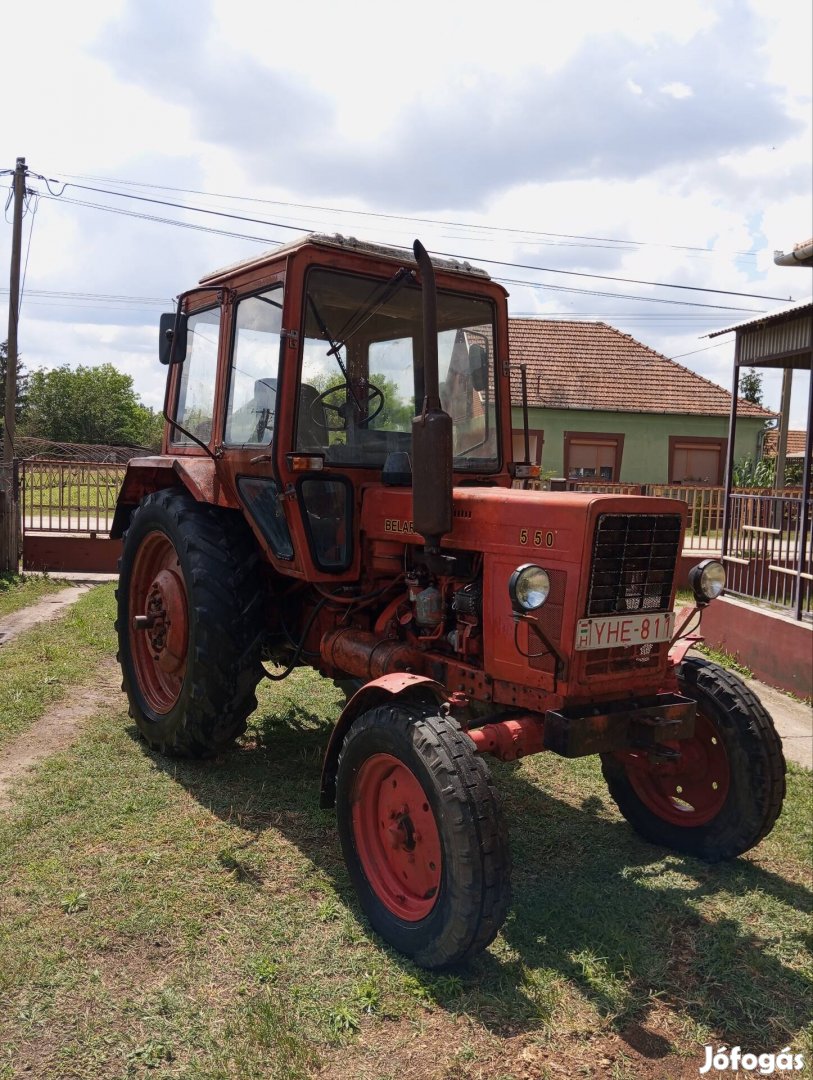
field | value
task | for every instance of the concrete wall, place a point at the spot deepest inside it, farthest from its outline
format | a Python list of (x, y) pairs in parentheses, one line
[(645, 458), (776, 648)]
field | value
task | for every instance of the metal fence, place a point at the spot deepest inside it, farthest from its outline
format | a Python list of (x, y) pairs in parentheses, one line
[(767, 556), (69, 496), (767, 552), (704, 528)]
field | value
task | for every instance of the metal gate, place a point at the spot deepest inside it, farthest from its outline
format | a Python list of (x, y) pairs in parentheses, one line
[(67, 511)]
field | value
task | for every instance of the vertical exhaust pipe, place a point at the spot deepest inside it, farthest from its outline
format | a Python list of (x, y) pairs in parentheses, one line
[(432, 450)]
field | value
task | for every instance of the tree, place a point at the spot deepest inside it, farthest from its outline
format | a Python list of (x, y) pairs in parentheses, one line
[(22, 385), (751, 386), (88, 405)]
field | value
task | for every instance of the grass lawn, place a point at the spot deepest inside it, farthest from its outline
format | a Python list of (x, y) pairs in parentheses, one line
[(19, 590), (163, 919)]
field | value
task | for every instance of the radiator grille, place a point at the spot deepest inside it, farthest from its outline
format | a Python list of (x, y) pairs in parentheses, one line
[(634, 658), (634, 558)]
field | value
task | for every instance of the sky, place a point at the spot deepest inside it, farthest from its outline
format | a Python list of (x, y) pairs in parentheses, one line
[(665, 142)]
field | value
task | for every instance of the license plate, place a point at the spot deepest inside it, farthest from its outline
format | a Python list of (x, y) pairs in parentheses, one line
[(621, 631)]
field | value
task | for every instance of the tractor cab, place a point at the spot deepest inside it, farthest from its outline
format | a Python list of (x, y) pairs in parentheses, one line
[(299, 374)]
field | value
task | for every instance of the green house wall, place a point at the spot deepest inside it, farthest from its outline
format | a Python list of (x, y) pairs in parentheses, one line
[(645, 458)]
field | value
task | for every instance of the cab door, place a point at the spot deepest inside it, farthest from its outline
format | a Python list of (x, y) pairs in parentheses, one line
[(252, 403)]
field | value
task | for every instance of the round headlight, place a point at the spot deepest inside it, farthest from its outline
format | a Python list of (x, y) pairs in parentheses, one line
[(707, 580), (528, 587)]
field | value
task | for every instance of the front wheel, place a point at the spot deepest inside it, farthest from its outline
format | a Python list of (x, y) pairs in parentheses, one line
[(723, 793), (422, 834)]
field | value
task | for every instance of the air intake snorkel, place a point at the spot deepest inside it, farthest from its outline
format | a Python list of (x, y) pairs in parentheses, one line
[(432, 449)]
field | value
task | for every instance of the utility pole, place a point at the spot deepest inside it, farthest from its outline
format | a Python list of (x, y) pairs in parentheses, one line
[(13, 311), (9, 502)]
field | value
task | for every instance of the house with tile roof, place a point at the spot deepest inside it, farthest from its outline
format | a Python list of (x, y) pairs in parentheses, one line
[(603, 406), (795, 446)]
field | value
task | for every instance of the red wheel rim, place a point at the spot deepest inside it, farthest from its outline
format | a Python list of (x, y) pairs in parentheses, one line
[(691, 790), (397, 837), (159, 622)]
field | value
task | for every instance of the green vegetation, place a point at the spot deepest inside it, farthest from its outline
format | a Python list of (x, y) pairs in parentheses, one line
[(19, 590), (751, 386), (88, 405), (396, 414), (163, 918), (749, 473), (36, 667), (726, 660)]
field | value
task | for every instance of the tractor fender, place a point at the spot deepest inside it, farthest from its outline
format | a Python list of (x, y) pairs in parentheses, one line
[(148, 474), (386, 688)]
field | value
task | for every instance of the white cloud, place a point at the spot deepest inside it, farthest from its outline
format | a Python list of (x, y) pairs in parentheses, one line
[(578, 124), (677, 90)]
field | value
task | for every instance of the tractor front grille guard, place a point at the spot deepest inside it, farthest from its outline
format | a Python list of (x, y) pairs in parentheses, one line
[(633, 566), (633, 569)]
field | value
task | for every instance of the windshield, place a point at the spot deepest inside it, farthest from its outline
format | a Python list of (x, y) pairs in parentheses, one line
[(362, 370)]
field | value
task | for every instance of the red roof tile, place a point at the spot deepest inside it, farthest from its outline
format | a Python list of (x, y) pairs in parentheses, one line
[(590, 365), (796, 443)]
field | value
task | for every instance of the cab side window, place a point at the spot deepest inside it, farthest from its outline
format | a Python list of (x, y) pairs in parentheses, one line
[(196, 394), (252, 401)]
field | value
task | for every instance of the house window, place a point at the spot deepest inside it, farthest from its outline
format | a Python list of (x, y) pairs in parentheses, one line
[(696, 460), (536, 440), (593, 456)]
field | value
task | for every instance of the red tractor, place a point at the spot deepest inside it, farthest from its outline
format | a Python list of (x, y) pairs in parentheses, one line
[(336, 489)]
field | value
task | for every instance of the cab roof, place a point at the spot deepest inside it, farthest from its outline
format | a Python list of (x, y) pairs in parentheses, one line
[(345, 243)]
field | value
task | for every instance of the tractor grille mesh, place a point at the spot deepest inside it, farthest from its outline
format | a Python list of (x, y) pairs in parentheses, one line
[(633, 658), (634, 558)]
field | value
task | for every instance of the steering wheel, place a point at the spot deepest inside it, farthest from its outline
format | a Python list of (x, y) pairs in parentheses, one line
[(370, 396)]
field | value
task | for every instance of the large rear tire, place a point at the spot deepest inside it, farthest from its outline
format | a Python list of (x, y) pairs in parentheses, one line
[(189, 624), (422, 833), (725, 792)]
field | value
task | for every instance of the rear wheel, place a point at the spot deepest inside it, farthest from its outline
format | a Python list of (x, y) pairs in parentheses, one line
[(422, 834), (188, 624), (723, 793)]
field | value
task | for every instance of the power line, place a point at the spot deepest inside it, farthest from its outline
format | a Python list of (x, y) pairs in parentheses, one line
[(505, 229), (609, 277), (445, 254), (161, 220), (83, 297), (620, 296), (692, 353), (509, 281)]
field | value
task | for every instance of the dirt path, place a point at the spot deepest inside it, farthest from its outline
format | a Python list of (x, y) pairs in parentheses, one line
[(47, 608), (58, 728)]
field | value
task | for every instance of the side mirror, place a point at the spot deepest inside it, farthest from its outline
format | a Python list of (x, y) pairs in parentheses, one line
[(478, 366), (172, 338)]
